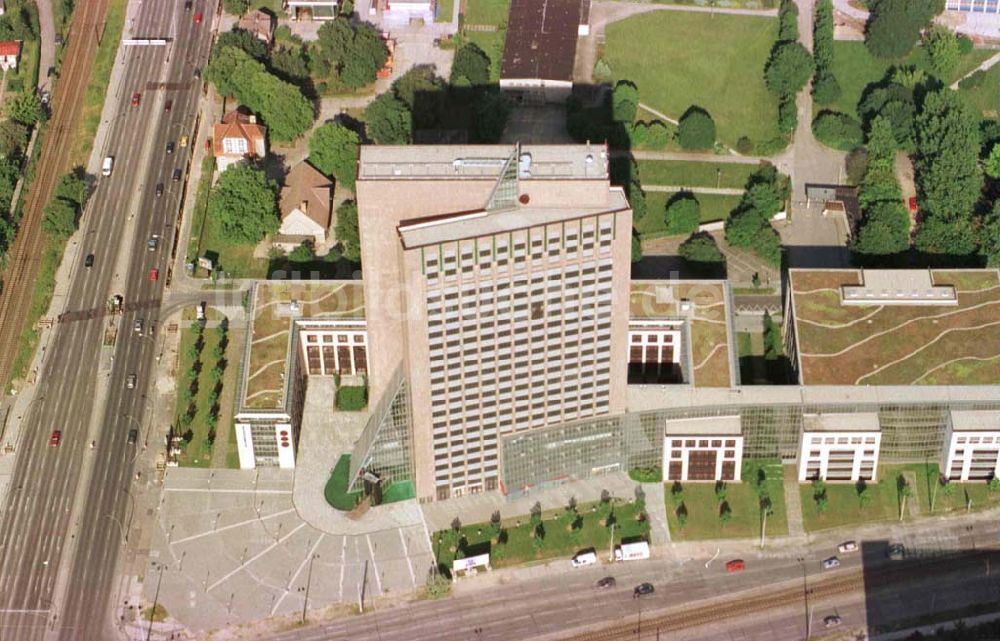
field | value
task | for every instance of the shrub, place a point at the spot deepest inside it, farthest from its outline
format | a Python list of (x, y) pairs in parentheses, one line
[(942, 49), (744, 146), (788, 115), (352, 398), (602, 72), (624, 102), (856, 164), (965, 45), (696, 129), (652, 474), (683, 214), (789, 68), (657, 135), (838, 130), (701, 248), (826, 89)]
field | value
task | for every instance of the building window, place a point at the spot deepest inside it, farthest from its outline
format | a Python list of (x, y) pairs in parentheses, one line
[(235, 146)]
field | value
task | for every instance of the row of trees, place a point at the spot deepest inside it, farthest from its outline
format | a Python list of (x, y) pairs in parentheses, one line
[(826, 87), (885, 227), (789, 67), (192, 383), (749, 225)]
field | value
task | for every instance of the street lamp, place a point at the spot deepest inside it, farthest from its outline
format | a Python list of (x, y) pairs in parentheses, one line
[(156, 599), (309, 575)]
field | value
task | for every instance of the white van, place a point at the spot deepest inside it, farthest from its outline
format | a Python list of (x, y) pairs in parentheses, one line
[(109, 163), (632, 551), (582, 559)]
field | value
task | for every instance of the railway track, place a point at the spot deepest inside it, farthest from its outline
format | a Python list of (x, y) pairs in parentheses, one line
[(54, 160), (819, 588)]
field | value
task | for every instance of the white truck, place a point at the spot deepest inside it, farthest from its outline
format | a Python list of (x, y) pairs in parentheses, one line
[(632, 551)]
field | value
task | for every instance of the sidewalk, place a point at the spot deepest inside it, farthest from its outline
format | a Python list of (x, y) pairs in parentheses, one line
[(718, 191), (793, 503)]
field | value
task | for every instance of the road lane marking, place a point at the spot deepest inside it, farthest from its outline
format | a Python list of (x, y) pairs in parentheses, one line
[(371, 551), (255, 557), (343, 565), (297, 572), (229, 527), (406, 553)]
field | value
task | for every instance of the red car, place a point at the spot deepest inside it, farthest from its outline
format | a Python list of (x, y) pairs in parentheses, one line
[(197, 18), (735, 566), (55, 438), (136, 97), (913, 204), (154, 274)]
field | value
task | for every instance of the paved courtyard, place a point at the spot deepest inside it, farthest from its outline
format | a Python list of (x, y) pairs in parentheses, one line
[(231, 548)]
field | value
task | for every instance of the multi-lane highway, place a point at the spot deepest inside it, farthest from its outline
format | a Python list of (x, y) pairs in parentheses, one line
[(69, 505)]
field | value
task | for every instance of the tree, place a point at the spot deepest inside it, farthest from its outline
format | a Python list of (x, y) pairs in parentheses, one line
[(387, 120), (290, 64), (823, 36), (725, 513), (683, 214), (636, 247), (788, 69), (837, 130), (788, 21), (25, 108), (894, 25), (949, 178), (492, 109), (991, 166), (347, 230), (59, 218), (72, 187), (701, 248), (696, 129), (424, 93), (885, 228), (333, 149), (13, 136), (301, 254), (788, 115), (994, 484), (602, 71), (942, 49), (471, 66), (235, 7), (244, 202), (242, 40), (826, 89), (990, 236), (624, 102)]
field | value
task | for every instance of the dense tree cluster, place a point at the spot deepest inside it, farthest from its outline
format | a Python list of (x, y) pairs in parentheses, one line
[(471, 67), (351, 52), (895, 25), (683, 214), (347, 232), (788, 68), (333, 149), (885, 228), (941, 45), (700, 248), (245, 204), (281, 105), (837, 130), (749, 225), (949, 178), (826, 88)]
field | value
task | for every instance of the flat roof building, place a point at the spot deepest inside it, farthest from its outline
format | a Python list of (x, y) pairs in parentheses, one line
[(539, 51), (497, 280)]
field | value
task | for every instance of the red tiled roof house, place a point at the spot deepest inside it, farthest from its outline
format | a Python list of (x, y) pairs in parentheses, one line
[(10, 51), (237, 138)]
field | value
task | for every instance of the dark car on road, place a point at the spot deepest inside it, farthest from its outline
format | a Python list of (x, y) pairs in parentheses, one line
[(643, 589), (88, 261), (896, 552), (177, 175), (606, 583), (187, 5), (159, 189), (133, 434), (168, 106), (170, 147)]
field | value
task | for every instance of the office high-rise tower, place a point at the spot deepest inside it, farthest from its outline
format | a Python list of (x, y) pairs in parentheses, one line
[(497, 281)]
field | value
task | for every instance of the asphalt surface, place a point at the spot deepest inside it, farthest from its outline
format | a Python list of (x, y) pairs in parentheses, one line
[(568, 605), (71, 504)]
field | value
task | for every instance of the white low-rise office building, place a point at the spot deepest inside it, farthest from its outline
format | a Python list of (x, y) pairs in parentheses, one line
[(839, 447), (703, 449), (973, 445)]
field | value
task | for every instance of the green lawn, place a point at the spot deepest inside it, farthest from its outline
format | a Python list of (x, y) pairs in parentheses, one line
[(694, 174), (844, 506), (703, 507), (986, 97), (713, 208), (486, 11), (856, 68), (351, 398), (949, 500), (336, 488), (680, 59), (198, 452), (445, 9), (514, 544)]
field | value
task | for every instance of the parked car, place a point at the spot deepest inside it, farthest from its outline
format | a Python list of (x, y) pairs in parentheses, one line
[(896, 552), (130, 381), (133, 434), (585, 558), (88, 261), (136, 99), (832, 621), (154, 274), (847, 546), (55, 439), (606, 583), (736, 565), (831, 563), (159, 189)]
